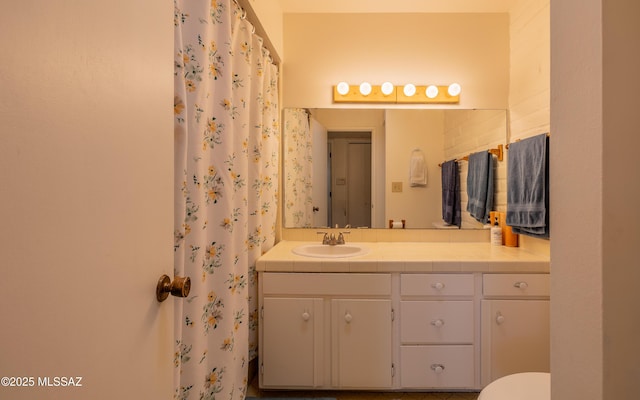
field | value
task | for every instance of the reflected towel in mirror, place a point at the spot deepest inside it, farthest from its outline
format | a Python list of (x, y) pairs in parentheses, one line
[(417, 169), (480, 185), (451, 210)]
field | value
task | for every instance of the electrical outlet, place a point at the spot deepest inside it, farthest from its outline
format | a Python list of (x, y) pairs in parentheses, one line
[(396, 186)]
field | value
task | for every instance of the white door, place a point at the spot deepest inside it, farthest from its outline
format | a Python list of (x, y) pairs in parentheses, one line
[(359, 184), (86, 203)]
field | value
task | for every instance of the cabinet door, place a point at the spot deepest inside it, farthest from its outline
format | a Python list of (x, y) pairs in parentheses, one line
[(515, 337), (362, 343), (292, 342)]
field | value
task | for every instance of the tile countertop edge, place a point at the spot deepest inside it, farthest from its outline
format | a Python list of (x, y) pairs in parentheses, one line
[(412, 257)]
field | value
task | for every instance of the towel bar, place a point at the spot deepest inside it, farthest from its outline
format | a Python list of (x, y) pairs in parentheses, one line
[(498, 152)]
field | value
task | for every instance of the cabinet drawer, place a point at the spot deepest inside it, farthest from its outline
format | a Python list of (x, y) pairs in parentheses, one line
[(423, 322), (437, 367), (436, 285), (517, 285), (326, 284)]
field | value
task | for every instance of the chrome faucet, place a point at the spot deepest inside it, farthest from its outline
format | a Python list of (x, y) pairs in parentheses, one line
[(331, 239)]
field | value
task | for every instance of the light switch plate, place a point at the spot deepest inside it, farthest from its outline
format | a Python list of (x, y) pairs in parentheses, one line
[(396, 186)]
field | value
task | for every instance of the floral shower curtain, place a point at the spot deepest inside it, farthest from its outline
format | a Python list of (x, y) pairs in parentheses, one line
[(226, 174), (298, 172)]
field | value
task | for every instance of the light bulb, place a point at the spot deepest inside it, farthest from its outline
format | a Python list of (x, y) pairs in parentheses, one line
[(365, 88), (409, 89), (432, 91), (454, 89), (343, 88), (387, 88)]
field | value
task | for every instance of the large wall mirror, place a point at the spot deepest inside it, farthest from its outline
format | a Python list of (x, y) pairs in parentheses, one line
[(350, 167)]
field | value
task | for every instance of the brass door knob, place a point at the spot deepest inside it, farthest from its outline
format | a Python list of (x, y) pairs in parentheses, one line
[(180, 287)]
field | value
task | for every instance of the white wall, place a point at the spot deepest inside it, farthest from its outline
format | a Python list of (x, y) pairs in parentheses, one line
[(468, 132), (530, 68), (323, 49), (529, 82)]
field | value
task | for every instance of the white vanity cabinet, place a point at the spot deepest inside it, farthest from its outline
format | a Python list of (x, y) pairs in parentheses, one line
[(437, 331), (515, 324), (325, 331), (460, 317)]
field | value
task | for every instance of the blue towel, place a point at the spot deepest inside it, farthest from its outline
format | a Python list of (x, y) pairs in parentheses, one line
[(528, 186), (451, 210), (480, 185)]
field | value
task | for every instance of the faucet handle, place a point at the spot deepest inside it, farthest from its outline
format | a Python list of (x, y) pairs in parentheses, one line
[(341, 237), (325, 238)]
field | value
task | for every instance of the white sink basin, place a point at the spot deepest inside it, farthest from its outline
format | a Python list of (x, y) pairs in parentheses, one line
[(326, 251)]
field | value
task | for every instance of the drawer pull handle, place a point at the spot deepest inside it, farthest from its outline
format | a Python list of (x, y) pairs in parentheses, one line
[(306, 316), (437, 323), (437, 368), (437, 285), (348, 317), (499, 318), (521, 285)]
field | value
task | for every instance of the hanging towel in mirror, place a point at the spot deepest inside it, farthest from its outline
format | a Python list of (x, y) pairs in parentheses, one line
[(480, 185), (528, 186), (417, 169), (451, 211)]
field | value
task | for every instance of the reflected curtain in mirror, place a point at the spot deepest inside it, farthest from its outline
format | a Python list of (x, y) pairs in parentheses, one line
[(298, 147)]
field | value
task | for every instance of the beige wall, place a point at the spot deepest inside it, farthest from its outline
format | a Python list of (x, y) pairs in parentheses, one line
[(363, 120), (407, 130), (323, 49), (595, 184), (620, 194), (267, 16)]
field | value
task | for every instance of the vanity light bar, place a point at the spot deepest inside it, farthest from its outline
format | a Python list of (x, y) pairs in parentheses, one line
[(388, 93), (345, 93)]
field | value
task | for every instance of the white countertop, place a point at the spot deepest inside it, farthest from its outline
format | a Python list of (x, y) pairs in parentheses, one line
[(409, 257)]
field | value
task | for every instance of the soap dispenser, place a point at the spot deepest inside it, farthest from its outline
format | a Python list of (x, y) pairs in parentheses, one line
[(496, 233)]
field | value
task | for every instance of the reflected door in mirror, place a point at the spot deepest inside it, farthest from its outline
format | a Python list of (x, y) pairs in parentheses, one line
[(351, 183)]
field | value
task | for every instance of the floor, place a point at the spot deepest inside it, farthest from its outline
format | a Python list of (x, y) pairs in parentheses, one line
[(254, 391)]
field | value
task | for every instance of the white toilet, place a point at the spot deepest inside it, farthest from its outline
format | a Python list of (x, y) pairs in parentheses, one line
[(522, 386)]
